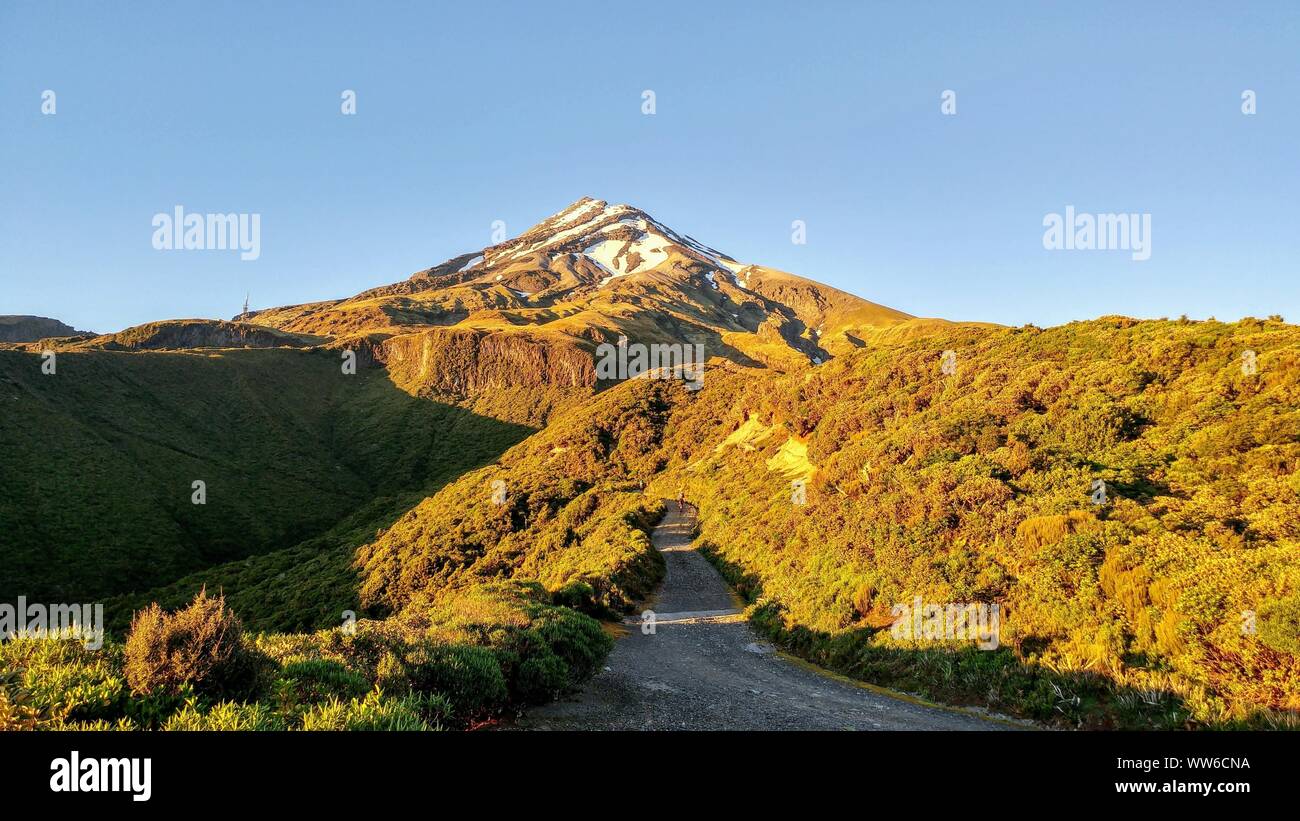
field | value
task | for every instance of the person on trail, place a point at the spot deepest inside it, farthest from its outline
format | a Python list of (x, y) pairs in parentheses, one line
[(681, 500)]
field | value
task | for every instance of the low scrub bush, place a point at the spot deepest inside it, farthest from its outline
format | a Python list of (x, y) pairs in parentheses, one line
[(201, 646), (226, 716), (377, 711), (577, 639), (311, 680), (541, 677)]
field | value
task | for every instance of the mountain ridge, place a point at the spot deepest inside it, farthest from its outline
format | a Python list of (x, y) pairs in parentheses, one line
[(29, 328), (592, 272)]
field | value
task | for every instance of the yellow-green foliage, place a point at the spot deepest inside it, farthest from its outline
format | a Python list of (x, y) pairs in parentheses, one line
[(45, 682), (564, 507), (375, 712), (977, 487), (447, 661), (1039, 531), (17, 708), (201, 646)]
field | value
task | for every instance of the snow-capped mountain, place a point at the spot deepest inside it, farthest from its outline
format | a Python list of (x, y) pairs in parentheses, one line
[(592, 272)]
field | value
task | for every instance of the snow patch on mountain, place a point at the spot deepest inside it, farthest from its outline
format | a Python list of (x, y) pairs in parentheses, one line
[(621, 240), (577, 210), (606, 252), (651, 250), (581, 222), (602, 266)]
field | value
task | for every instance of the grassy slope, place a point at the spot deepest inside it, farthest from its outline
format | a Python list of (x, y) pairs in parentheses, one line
[(467, 631), (99, 460), (574, 518)]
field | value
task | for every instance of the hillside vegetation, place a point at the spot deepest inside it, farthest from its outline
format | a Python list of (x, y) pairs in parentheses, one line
[(475, 597), (1173, 603), (564, 507), (451, 665), (99, 472)]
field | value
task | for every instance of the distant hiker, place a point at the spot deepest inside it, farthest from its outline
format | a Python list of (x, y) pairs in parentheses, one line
[(681, 500)]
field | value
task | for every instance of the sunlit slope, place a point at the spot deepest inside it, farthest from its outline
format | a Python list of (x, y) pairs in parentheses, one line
[(15, 328), (972, 486), (981, 486), (563, 507)]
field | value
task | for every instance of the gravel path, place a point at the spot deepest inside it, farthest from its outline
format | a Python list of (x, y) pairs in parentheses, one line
[(704, 669)]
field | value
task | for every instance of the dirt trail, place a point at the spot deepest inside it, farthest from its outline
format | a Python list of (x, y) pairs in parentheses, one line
[(705, 669)]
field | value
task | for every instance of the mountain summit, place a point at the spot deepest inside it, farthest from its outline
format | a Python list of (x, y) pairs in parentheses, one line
[(586, 275), (618, 239)]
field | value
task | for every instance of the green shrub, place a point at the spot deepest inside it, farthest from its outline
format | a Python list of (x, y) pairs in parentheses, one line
[(377, 711), (151, 711), (541, 677), (311, 680), (363, 650), (579, 595), (226, 716), (469, 677), (577, 639), (391, 675), (201, 646)]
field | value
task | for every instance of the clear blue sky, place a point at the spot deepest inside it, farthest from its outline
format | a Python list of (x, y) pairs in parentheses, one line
[(766, 113)]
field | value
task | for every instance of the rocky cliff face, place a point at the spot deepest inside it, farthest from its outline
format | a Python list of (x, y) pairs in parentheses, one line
[(34, 328), (194, 333), (464, 362)]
